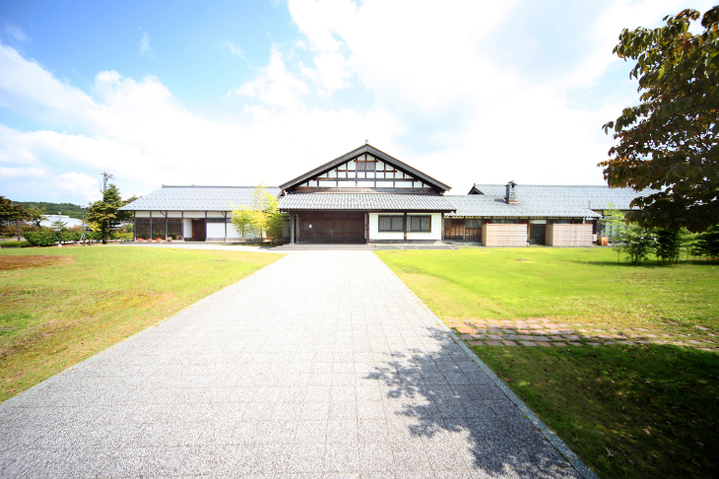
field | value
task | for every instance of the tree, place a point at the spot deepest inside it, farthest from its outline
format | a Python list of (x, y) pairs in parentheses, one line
[(106, 213), (263, 216), (242, 221), (35, 215), (10, 212), (668, 245), (636, 242), (669, 141), (707, 243), (58, 225)]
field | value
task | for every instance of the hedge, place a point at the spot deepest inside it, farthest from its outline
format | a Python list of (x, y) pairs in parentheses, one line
[(41, 238), (14, 244)]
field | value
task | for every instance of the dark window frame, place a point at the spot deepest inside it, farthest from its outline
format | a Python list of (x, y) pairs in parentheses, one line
[(419, 224), (396, 224)]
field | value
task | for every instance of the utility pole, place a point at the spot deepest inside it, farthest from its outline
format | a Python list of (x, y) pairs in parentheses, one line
[(106, 176), (83, 225)]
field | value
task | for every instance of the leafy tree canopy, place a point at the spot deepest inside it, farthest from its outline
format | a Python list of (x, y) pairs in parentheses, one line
[(73, 211), (10, 211), (669, 141), (106, 212), (262, 217)]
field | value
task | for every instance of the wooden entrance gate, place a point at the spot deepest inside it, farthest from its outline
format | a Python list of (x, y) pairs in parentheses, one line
[(199, 230), (345, 227)]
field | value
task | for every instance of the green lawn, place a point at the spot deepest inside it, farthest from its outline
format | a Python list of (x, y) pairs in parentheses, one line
[(560, 283), (635, 411), (59, 306)]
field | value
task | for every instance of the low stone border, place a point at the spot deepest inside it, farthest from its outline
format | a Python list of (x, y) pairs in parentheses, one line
[(543, 332)]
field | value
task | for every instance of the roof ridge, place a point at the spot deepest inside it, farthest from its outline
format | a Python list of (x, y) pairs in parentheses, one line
[(211, 186)]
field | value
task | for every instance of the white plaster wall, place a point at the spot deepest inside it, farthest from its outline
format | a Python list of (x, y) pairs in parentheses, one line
[(142, 214), (216, 230), (187, 228), (194, 214), (232, 232), (435, 230), (215, 214), (174, 214)]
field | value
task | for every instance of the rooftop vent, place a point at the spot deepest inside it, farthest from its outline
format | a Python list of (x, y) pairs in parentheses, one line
[(511, 195)]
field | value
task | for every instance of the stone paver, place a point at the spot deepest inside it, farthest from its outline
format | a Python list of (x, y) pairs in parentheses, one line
[(541, 330), (321, 365)]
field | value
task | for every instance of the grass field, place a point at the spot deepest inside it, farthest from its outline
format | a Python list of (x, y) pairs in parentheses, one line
[(59, 306), (628, 410)]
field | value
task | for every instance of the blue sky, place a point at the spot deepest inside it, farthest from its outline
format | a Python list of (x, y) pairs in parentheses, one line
[(238, 93)]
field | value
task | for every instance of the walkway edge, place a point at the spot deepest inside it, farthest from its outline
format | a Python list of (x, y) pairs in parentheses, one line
[(553, 439)]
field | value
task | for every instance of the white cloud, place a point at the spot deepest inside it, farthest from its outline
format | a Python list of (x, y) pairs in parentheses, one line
[(29, 89), (474, 113), (16, 33), (21, 173), (235, 49), (331, 72), (275, 85), (440, 102), (146, 138), (79, 184), (145, 48)]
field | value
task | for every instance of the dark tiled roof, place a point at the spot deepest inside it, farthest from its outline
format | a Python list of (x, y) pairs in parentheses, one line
[(364, 202), (439, 186), (196, 198), (598, 197), (483, 205)]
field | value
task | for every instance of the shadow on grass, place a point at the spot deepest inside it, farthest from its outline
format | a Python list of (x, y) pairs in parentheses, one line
[(651, 264), (463, 418), (652, 407)]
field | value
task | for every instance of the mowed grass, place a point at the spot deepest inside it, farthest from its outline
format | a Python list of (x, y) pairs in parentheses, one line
[(560, 283), (59, 306), (634, 411)]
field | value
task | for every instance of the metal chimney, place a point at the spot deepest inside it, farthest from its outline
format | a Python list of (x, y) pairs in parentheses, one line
[(511, 194)]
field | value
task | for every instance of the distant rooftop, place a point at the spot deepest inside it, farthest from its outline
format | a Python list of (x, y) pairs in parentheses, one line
[(597, 197), (494, 206), (196, 198)]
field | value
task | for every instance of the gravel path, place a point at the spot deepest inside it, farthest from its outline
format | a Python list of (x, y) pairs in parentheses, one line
[(321, 365)]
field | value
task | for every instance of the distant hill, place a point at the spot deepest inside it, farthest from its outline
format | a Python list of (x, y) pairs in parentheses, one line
[(73, 211)]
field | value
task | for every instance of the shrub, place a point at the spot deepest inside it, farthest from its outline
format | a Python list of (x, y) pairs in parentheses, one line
[(93, 235), (70, 236), (636, 242), (707, 243), (668, 245), (41, 238), (121, 236), (14, 244)]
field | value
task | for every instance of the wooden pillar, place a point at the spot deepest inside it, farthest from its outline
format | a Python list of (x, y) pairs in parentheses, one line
[(225, 213), (441, 225), (405, 227), (166, 223), (366, 228), (292, 228)]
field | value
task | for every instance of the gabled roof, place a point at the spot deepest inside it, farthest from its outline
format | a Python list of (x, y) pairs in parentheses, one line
[(595, 197), (372, 151), (492, 206), (196, 198), (364, 202)]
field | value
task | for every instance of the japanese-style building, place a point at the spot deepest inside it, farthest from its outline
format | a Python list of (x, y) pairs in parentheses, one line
[(367, 197)]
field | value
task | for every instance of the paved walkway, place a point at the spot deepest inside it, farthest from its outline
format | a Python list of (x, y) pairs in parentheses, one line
[(321, 365)]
